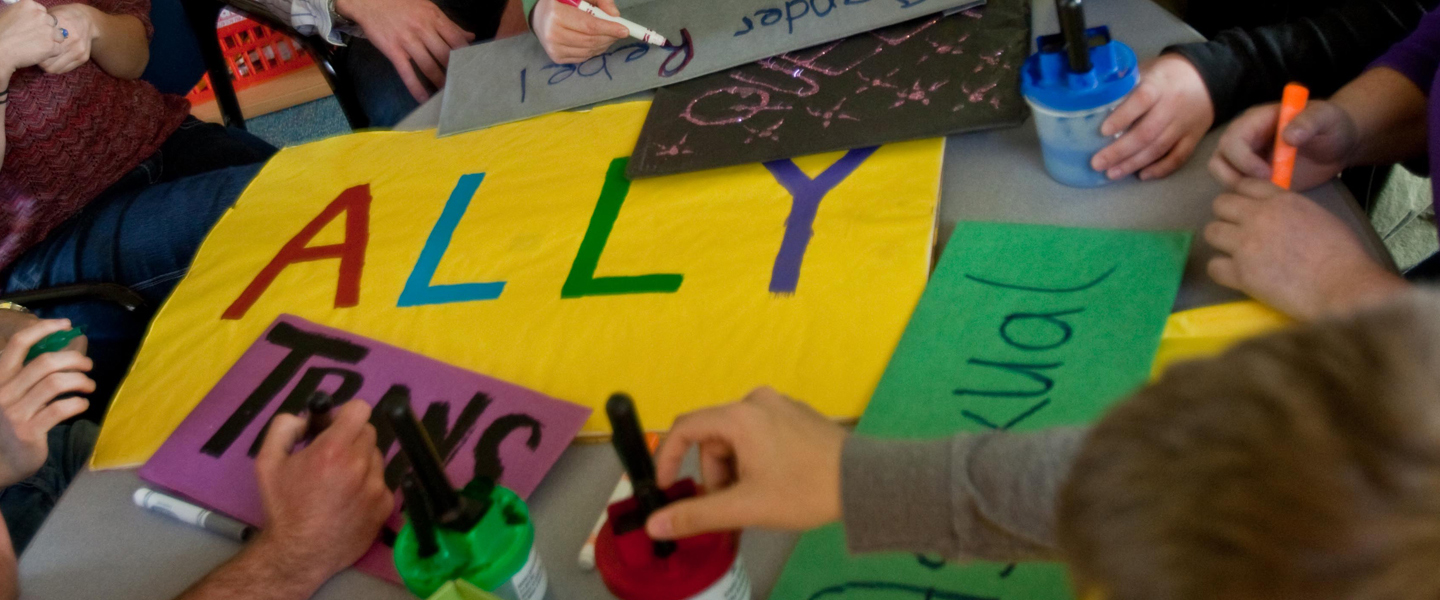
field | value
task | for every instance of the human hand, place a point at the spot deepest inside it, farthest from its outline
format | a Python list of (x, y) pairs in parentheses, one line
[(28, 405), (1324, 136), (77, 25), (571, 36), (413, 34), (1286, 251), (28, 35), (14, 321), (767, 461), (1164, 118), (325, 504)]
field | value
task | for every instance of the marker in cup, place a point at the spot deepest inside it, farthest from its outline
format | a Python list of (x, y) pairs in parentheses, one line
[(635, 567)]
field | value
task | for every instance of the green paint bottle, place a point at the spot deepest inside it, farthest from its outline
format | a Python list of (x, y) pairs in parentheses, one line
[(497, 554), (482, 534)]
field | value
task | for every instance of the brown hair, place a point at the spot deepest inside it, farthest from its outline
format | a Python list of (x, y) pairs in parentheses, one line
[(1301, 465)]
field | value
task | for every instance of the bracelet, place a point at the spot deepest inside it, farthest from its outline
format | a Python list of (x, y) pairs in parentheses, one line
[(14, 307)]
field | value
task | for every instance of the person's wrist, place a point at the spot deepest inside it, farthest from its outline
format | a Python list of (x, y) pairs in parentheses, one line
[(345, 8), (1368, 284), (287, 561), (95, 16)]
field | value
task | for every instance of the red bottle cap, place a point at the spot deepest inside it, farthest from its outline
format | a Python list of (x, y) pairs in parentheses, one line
[(628, 565)]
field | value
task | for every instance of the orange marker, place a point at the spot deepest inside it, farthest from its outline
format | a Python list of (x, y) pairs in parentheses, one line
[(1283, 162)]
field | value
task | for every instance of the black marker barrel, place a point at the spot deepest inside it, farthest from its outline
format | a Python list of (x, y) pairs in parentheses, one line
[(1072, 26), (628, 437), (444, 501), (417, 506), (318, 408), (629, 441)]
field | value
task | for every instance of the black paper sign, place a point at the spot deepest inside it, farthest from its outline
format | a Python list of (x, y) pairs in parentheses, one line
[(928, 77)]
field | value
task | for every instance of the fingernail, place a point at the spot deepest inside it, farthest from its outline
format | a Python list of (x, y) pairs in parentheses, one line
[(1098, 164), (660, 526), (1113, 174)]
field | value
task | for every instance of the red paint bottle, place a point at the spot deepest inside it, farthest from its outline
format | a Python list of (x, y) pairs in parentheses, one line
[(636, 567), (704, 567)]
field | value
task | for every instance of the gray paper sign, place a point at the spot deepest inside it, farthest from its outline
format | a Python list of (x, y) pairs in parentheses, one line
[(512, 79)]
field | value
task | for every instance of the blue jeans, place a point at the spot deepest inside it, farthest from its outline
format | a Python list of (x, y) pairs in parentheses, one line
[(378, 86), (141, 233), (26, 504)]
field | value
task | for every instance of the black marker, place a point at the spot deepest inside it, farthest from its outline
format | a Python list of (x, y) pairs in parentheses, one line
[(629, 441), (318, 407), (1072, 26), (417, 505), (449, 509)]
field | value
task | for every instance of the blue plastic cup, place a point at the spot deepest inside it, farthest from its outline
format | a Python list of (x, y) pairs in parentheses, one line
[(1068, 107)]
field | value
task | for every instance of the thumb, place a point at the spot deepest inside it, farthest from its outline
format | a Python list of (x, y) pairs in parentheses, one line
[(1315, 120), (720, 511)]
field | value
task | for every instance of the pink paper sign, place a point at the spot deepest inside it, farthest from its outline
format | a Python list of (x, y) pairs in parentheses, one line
[(479, 424)]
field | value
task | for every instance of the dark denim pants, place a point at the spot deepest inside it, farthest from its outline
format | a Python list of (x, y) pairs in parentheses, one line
[(26, 504), (141, 233)]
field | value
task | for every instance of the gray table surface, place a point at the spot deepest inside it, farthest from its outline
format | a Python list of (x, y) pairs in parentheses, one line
[(98, 544)]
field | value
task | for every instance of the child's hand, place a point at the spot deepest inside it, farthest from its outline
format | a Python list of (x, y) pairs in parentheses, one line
[(1163, 119), (571, 36), (767, 461), (1324, 136), (1286, 251), (28, 405)]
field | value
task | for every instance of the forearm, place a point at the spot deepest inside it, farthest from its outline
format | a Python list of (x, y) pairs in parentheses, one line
[(120, 46), (258, 572), (974, 496), (1389, 112), (1245, 67), (9, 566)]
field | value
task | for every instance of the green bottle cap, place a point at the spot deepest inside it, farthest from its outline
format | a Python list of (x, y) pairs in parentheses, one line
[(54, 342), (488, 555)]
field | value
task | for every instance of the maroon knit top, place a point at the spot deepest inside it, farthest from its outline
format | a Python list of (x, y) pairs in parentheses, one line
[(70, 136)]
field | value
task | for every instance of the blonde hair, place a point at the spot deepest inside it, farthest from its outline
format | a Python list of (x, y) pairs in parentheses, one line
[(1301, 465)]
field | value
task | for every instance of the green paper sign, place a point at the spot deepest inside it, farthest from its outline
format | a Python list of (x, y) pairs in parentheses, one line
[(1022, 327)]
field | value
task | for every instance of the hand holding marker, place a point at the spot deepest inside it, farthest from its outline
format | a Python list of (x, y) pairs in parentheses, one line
[(636, 31)]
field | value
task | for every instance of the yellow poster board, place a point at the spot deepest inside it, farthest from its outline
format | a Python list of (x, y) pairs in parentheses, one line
[(1205, 332), (522, 253)]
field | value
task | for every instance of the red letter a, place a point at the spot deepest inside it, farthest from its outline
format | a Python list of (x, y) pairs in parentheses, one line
[(355, 203)]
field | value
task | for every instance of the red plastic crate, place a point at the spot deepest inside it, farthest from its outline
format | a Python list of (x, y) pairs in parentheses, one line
[(254, 52)]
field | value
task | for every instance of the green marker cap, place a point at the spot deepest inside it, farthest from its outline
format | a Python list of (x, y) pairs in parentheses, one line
[(54, 342), (488, 555)]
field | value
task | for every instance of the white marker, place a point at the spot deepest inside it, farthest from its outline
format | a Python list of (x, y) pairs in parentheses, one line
[(622, 491), (186, 512), (636, 31)]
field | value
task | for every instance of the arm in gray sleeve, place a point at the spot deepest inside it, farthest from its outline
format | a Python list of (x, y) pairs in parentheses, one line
[(989, 496)]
